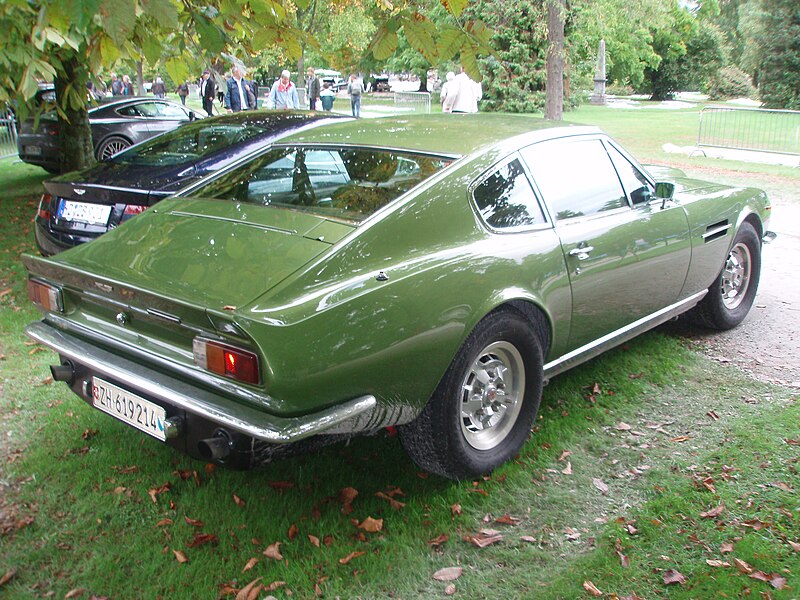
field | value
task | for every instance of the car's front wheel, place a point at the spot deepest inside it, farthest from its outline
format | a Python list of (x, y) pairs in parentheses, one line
[(732, 294), (111, 146), (481, 412)]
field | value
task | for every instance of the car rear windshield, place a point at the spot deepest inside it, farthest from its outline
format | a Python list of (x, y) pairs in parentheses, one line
[(342, 183), (190, 143)]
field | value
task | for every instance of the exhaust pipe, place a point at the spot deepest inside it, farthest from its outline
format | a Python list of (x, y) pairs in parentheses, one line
[(63, 372), (216, 448)]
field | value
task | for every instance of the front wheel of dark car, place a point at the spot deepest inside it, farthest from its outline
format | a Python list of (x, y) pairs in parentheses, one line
[(482, 410), (732, 294), (111, 146)]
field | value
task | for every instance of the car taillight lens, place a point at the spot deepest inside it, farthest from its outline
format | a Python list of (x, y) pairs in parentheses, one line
[(45, 204), (47, 296), (131, 210), (226, 360)]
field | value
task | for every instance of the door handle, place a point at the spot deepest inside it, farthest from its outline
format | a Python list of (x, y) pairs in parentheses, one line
[(581, 252)]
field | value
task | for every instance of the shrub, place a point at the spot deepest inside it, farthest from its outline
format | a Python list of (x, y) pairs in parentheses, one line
[(730, 82)]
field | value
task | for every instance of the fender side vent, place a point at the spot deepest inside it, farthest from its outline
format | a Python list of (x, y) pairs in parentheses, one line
[(716, 231)]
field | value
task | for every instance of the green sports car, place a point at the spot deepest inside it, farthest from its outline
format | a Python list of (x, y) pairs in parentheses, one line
[(427, 272)]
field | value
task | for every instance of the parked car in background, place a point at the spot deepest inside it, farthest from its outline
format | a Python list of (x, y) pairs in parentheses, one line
[(116, 123), (359, 274), (80, 206)]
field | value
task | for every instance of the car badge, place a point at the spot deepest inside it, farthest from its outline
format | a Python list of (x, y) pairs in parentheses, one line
[(79, 191), (123, 319)]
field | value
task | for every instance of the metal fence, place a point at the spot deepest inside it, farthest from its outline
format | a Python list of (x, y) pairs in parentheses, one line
[(750, 129), (412, 102), (8, 133)]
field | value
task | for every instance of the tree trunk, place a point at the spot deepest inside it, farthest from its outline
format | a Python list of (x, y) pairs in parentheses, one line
[(423, 81), (554, 102), (76, 150), (139, 79)]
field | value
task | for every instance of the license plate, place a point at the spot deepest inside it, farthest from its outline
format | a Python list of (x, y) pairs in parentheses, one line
[(33, 150), (129, 408), (85, 212)]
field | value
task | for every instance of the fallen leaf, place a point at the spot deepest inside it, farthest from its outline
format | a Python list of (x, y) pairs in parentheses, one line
[(671, 577), (251, 591), (528, 538), (201, 539), (371, 525), (777, 581), (623, 559), (274, 586), (273, 551), (455, 509), (293, 531), (680, 439), (622, 426), (164, 522), (448, 574), (156, 491), (600, 486), (238, 501), (75, 593), (568, 469), (795, 546), (437, 542), (314, 540), (484, 538), (713, 415), (395, 504), (564, 455), (591, 588), (755, 524), (714, 512), (718, 563), (726, 547), (349, 557), (180, 556), (742, 566), (759, 575), (7, 576), (450, 589), (193, 522), (250, 564), (508, 520), (708, 483)]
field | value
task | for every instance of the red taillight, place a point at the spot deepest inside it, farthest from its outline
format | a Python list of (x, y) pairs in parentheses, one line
[(226, 360), (47, 296), (44, 207), (131, 210)]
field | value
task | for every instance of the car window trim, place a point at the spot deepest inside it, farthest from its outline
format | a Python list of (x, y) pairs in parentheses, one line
[(494, 168), (635, 164)]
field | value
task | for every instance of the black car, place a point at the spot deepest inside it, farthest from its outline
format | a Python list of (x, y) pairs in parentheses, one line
[(78, 207), (116, 124)]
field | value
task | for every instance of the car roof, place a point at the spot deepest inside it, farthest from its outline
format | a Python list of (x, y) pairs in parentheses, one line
[(445, 134)]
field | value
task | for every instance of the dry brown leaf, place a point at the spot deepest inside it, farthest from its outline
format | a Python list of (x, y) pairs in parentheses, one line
[(293, 531), (598, 483), (371, 525), (273, 551), (250, 564), (7, 576), (156, 491), (347, 495), (201, 539), (528, 538), (180, 556), (708, 483), (742, 566), (455, 509), (591, 588), (314, 540), (448, 574), (193, 522), (75, 593), (718, 563), (274, 586), (726, 547), (671, 577), (349, 557), (251, 591), (680, 439), (623, 559), (508, 520), (238, 501), (450, 589), (438, 541), (395, 504), (164, 522), (714, 512), (484, 538), (777, 581), (795, 546), (622, 426), (755, 524), (568, 469), (564, 455)]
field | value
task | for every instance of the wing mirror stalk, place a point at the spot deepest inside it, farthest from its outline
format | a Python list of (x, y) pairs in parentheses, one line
[(665, 191)]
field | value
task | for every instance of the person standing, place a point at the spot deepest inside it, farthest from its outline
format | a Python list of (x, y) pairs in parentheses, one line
[(115, 85), (159, 89), (355, 87), (463, 94), (183, 92), (127, 86), (208, 91), (446, 89), (283, 94), (326, 97), (313, 90), (241, 95)]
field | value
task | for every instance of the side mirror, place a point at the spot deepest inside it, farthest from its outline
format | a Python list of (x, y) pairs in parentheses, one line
[(665, 191), (192, 116)]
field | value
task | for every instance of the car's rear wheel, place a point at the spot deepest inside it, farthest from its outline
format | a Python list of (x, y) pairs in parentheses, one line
[(731, 296), (111, 146), (481, 412)]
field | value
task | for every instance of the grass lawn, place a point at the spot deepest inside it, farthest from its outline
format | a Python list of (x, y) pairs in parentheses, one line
[(652, 471)]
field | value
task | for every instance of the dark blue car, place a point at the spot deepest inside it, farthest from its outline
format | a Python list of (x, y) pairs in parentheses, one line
[(78, 207)]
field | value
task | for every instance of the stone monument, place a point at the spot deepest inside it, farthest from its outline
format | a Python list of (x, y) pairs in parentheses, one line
[(599, 95)]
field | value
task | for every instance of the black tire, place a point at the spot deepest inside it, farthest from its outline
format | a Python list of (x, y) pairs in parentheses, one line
[(731, 296), (450, 438), (110, 146)]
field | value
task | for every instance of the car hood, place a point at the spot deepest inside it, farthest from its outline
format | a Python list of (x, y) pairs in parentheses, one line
[(216, 254), (114, 176)]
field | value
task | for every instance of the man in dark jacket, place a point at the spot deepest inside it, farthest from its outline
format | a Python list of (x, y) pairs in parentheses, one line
[(207, 92), (241, 94), (313, 90)]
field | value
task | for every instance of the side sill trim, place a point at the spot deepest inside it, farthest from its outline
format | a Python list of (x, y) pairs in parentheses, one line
[(615, 338), (222, 410)]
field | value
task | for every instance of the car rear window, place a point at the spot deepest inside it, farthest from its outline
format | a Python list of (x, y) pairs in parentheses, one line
[(341, 183), (189, 143)]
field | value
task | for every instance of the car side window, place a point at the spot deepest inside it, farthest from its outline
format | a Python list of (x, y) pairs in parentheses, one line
[(506, 201), (170, 111), (130, 111), (637, 186), (576, 177)]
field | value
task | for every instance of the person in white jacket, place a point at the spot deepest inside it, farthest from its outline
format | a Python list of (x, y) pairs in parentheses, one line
[(462, 94)]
